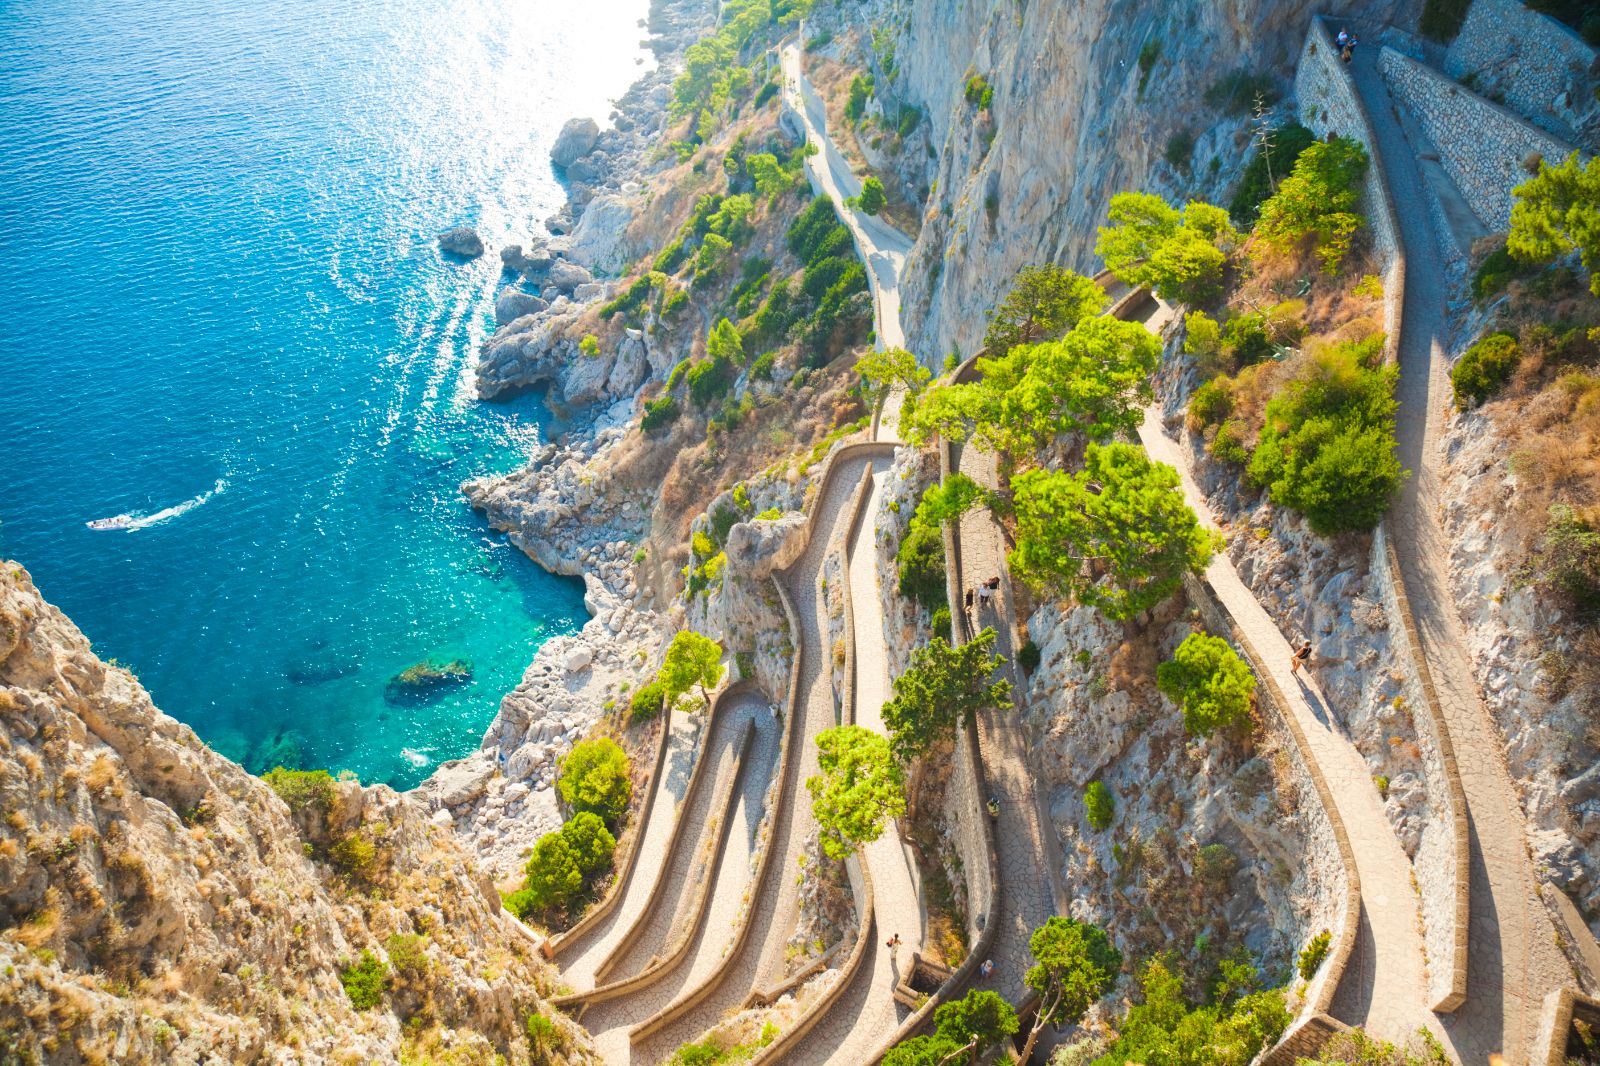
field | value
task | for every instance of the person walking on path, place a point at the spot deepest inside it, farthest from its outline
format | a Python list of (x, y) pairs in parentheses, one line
[(968, 607), (986, 969), (1301, 656), (984, 592)]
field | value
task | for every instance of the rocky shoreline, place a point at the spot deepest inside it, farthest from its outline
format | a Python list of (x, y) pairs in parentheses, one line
[(500, 799)]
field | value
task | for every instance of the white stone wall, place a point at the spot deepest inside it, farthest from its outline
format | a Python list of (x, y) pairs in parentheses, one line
[(1545, 72), (1483, 146)]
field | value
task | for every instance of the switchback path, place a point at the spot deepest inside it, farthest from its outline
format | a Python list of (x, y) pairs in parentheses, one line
[(1513, 959), (580, 959)]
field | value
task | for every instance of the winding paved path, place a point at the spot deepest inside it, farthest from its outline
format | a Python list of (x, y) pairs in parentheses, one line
[(580, 958), (1513, 959)]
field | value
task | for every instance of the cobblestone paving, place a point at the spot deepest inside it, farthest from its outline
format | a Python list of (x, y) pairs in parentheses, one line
[(580, 959), (1513, 959)]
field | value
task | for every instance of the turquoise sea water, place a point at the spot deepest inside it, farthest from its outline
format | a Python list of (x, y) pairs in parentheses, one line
[(224, 314)]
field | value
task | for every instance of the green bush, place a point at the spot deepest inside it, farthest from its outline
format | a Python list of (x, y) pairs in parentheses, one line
[(872, 199), (1498, 269), (1442, 19), (979, 92), (1178, 252), (1266, 167), (1230, 443), (365, 981), (408, 955), (1100, 804), (1211, 403), (910, 119), (1236, 93), (1483, 368), (594, 777), (860, 92), (1215, 865), (919, 562), (563, 865), (302, 790), (1028, 656), (647, 702), (1565, 564), (1209, 682), (1164, 1027), (1313, 954), (1327, 449), (1317, 200), (545, 1037), (1245, 341), (659, 413), (354, 855), (1180, 149)]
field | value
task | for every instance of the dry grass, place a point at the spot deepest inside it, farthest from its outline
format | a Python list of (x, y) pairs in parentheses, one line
[(1333, 303)]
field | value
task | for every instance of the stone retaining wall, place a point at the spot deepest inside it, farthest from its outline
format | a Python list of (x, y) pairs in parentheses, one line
[(1545, 71), (1483, 147)]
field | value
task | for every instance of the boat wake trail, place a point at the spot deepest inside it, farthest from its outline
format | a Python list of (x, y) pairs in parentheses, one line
[(130, 522)]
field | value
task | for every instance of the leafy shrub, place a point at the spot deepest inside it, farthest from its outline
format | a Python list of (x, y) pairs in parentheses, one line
[(408, 955), (1245, 341), (1028, 655), (919, 562), (659, 413), (1483, 368), (1236, 93), (594, 777), (910, 119), (709, 380), (1180, 149), (1565, 564), (872, 199), (545, 1037), (941, 625), (1208, 680), (1443, 19), (1266, 167), (302, 790), (1100, 805), (670, 258), (1312, 955), (1327, 448), (979, 92), (1317, 200), (761, 368), (562, 866), (365, 981), (1215, 864), (1230, 444), (860, 92), (354, 855), (1211, 403), (1202, 338), (647, 702), (1166, 1028), (1557, 211)]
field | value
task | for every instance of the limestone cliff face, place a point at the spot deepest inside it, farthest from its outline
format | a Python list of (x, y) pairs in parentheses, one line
[(159, 904), (1075, 118)]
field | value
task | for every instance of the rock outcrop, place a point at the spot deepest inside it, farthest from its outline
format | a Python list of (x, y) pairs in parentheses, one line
[(574, 141), (160, 905), (513, 304), (462, 241)]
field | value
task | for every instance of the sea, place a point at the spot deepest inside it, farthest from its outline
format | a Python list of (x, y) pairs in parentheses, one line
[(226, 326)]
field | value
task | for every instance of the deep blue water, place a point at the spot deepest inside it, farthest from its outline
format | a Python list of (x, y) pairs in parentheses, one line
[(216, 224)]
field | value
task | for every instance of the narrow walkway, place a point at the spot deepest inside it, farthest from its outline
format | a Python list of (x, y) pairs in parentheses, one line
[(856, 1023), (1513, 959), (1384, 988), (761, 960), (883, 248), (1025, 851), (580, 959), (718, 841)]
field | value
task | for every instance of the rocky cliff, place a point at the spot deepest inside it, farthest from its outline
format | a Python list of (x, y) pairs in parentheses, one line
[(1086, 99), (159, 904)]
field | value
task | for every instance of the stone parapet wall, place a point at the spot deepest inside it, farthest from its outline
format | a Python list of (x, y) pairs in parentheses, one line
[(1484, 147), (1544, 71)]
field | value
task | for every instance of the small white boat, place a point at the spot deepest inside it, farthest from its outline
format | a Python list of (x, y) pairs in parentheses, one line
[(121, 521)]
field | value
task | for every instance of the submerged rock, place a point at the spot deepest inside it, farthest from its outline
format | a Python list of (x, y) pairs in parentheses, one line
[(575, 140), (426, 680), (463, 240)]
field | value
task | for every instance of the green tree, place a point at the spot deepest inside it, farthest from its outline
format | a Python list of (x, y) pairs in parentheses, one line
[(976, 1022), (691, 660), (724, 343), (951, 498), (1164, 1028), (1208, 680), (302, 790), (1044, 302), (1140, 223), (1180, 254), (647, 702), (771, 178), (872, 199), (563, 862), (1318, 200), (941, 687), (1074, 965), (1099, 805), (590, 345), (1117, 535), (1327, 447), (931, 1050), (860, 787), (594, 777), (1095, 380), (884, 369), (1557, 211)]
